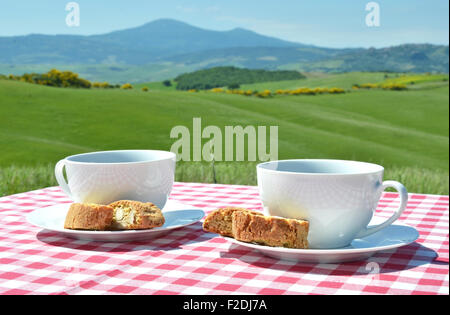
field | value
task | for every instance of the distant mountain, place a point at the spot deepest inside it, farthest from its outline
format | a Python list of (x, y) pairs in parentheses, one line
[(169, 37), (169, 47), (145, 44)]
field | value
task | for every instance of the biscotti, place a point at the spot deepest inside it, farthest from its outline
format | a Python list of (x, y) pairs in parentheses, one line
[(270, 231), (135, 215), (219, 221), (88, 217), (254, 227)]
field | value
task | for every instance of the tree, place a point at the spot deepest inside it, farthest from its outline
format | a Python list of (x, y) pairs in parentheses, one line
[(230, 76), (234, 86), (167, 83)]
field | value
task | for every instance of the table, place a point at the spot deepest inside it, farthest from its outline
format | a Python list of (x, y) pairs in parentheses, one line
[(190, 261)]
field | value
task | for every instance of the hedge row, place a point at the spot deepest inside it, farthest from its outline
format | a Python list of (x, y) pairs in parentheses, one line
[(59, 78)]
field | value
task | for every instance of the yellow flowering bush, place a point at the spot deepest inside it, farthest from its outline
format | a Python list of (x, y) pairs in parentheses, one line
[(126, 86), (264, 94), (102, 85), (54, 78), (248, 93), (268, 93), (302, 91), (385, 86), (321, 90), (336, 91)]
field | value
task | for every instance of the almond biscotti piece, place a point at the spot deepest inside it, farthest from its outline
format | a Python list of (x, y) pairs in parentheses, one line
[(135, 215), (219, 221), (83, 216), (271, 231)]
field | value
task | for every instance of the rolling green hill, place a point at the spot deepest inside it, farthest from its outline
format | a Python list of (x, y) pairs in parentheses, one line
[(403, 58), (399, 129)]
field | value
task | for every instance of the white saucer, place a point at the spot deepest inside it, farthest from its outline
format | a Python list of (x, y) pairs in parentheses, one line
[(393, 236), (176, 215)]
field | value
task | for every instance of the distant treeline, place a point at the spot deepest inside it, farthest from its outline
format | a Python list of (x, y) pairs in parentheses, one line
[(231, 77), (57, 78)]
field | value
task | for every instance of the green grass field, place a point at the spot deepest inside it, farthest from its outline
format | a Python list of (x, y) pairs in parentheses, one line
[(156, 86), (15, 179), (344, 81), (405, 131)]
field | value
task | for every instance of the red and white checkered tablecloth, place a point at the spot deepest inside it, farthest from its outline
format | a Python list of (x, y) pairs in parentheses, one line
[(190, 261)]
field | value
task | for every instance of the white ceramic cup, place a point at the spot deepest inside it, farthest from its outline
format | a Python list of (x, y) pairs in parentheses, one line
[(107, 176), (338, 198)]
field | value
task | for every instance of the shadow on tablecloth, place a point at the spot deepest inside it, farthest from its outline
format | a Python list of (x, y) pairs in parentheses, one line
[(389, 261), (173, 240)]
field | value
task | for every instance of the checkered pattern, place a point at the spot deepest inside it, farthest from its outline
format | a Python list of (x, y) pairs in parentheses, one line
[(190, 261)]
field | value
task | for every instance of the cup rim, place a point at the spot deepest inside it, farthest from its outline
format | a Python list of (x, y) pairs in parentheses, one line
[(378, 168), (170, 155)]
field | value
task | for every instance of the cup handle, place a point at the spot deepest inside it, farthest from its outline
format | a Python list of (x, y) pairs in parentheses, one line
[(60, 177), (403, 202)]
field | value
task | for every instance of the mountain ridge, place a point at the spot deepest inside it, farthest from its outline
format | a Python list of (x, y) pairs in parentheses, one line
[(180, 47), (156, 39)]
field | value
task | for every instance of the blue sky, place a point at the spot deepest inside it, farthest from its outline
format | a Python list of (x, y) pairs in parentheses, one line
[(329, 23)]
